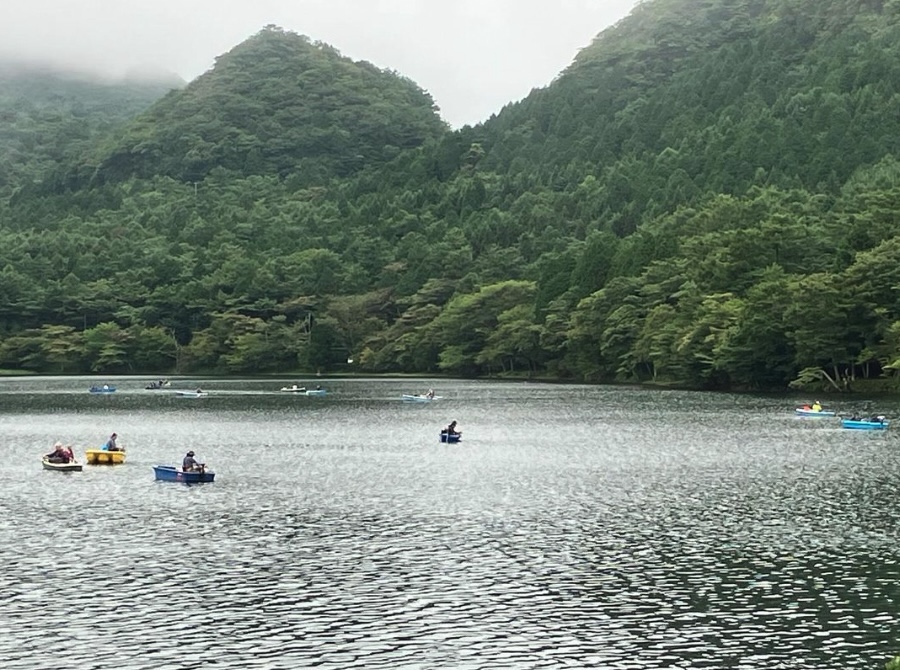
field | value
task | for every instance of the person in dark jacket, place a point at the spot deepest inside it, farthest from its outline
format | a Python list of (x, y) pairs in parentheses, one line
[(190, 464)]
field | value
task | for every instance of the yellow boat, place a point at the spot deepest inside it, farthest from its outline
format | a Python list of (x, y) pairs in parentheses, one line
[(103, 457)]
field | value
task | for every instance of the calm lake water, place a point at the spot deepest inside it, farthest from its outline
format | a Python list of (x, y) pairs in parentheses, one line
[(574, 527)]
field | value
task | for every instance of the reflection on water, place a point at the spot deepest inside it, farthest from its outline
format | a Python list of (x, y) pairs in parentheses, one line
[(573, 527)]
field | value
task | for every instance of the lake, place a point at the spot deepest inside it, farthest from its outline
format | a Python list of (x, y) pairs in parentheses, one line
[(573, 527)]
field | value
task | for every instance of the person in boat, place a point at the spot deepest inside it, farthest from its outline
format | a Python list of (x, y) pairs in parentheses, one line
[(816, 406), (430, 393), (451, 429), (190, 464), (111, 443), (59, 454), (198, 391)]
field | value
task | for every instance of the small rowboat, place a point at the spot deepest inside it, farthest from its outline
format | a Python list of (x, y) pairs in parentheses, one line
[(865, 424), (169, 473), (191, 394), (106, 388), (61, 467), (104, 457), (316, 392), (294, 389), (419, 398), (811, 412), (450, 438)]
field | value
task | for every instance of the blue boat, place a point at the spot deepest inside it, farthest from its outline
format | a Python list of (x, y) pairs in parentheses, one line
[(865, 424), (451, 438), (106, 388), (169, 473), (802, 411)]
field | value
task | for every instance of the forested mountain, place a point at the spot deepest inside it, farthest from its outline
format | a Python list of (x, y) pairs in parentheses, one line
[(707, 196), (280, 105), (48, 117)]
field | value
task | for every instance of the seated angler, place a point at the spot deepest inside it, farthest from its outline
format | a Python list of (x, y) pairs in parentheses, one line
[(190, 464)]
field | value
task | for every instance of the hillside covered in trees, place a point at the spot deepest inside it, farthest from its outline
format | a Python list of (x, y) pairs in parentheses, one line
[(48, 117), (707, 196)]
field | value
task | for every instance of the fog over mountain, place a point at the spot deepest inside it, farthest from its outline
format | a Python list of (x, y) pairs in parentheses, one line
[(472, 56)]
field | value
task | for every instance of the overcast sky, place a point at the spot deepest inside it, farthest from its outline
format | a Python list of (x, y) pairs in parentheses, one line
[(473, 56)]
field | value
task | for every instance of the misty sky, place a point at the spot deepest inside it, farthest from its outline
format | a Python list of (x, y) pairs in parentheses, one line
[(473, 56)]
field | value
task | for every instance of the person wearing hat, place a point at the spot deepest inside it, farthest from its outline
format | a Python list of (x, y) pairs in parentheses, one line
[(189, 464), (59, 454)]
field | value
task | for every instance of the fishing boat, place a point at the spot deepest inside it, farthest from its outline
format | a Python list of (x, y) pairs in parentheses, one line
[(191, 394), (419, 398), (879, 423), (316, 392), (803, 411), (155, 386), (294, 389), (71, 466), (106, 388), (169, 473), (104, 457), (451, 438)]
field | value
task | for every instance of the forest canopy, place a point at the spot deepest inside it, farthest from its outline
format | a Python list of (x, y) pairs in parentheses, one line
[(708, 196)]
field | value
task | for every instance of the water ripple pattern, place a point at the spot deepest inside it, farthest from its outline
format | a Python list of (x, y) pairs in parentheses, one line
[(574, 527)]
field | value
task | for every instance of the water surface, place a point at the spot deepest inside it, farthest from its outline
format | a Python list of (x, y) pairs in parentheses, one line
[(573, 527)]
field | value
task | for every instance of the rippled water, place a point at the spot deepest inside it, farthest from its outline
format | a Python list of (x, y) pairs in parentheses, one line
[(574, 527)]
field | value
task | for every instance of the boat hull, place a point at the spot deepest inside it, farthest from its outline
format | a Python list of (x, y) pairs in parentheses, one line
[(102, 389), (452, 439), (316, 392), (291, 389), (864, 425), (191, 394), (418, 398), (104, 457), (810, 412), (61, 467), (169, 473)]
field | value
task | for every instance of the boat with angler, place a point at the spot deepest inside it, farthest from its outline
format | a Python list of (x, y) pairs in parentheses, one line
[(155, 386), (875, 423), (317, 391), (61, 467), (420, 398), (106, 388), (294, 389), (803, 411), (169, 473), (192, 394)]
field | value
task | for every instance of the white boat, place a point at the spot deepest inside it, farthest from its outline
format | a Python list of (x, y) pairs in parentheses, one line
[(316, 392), (294, 389), (191, 394), (420, 398)]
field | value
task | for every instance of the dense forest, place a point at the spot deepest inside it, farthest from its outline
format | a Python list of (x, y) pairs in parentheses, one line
[(708, 196)]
